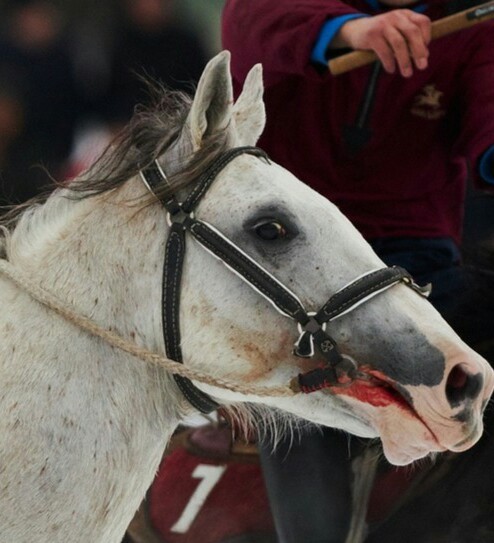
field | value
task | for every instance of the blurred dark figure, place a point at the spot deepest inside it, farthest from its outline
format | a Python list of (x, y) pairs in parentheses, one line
[(150, 42), (12, 115), (478, 223), (35, 67)]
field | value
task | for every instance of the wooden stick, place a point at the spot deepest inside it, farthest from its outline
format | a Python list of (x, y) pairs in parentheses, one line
[(440, 28)]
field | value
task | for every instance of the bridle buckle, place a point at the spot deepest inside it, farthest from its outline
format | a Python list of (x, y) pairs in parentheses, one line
[(304, 346), (179, 217)]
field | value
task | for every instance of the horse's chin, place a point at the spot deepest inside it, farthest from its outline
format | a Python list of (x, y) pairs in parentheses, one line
[(407, 444), (405, 439), (401, 453), (404, 435), (400, 457)]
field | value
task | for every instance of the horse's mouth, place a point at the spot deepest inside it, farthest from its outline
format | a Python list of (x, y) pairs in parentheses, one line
[(407, 434), (406, 437), (374, 388), (366, 385)]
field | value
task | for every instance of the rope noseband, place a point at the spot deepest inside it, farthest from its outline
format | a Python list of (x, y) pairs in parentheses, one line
[(312, 325)]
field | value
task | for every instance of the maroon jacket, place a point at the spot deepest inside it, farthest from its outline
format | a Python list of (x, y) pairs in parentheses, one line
[(426, 133)]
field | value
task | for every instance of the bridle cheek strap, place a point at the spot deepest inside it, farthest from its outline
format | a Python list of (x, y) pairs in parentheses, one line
[(172, 276), (155, 180), (312, 326)]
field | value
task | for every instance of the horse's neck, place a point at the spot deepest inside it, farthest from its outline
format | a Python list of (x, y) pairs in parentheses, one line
[(84, 426), (102, 255)]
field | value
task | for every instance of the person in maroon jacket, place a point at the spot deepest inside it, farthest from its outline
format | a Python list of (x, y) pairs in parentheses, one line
[(392, 145)]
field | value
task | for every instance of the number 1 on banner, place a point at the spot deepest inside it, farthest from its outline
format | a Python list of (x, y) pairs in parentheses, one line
[(210, 476)]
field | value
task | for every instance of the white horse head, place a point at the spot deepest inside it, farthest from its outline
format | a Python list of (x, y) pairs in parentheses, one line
[(84, 425), (398, 335)]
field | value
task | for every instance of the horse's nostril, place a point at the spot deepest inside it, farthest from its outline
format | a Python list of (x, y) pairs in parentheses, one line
[(462, 386)]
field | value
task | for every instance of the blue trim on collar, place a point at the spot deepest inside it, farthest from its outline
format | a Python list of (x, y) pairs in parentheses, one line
[(376, 6), (486, 166), (420, 8), (326, 35)]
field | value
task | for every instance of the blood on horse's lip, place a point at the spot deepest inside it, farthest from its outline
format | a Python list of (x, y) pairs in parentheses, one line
[(379, 390), (374, 388)]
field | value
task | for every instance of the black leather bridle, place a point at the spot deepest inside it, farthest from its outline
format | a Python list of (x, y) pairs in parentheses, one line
[(312, 325)]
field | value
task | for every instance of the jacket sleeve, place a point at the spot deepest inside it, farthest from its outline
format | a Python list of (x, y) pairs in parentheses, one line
[(279, 34), (476, 93)]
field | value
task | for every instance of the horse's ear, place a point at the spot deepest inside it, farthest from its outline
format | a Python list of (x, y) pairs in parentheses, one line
[(211, 109), (249, 112)]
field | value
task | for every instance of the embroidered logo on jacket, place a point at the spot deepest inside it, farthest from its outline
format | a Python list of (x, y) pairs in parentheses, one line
[(427, 104)]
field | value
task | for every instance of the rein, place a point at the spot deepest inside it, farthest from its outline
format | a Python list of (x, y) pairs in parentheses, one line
[(50, 301), (313, 336)]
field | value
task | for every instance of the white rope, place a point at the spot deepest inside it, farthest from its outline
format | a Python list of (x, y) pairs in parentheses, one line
[(50, 301)]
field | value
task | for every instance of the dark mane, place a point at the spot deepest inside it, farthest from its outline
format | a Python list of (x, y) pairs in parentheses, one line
[(149, 133)]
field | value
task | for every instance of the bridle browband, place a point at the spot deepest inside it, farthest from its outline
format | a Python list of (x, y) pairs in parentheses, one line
[(313, 336)]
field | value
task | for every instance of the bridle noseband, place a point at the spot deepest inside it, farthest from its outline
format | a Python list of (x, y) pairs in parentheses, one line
[(313, 336)]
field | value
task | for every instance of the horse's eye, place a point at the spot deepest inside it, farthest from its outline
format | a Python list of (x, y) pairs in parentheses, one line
[(270, 229)]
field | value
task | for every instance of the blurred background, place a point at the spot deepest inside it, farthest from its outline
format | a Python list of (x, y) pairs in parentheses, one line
[(69, 80), (69, 77)]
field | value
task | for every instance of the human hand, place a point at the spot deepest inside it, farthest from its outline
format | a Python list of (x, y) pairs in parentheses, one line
[(399, 38)]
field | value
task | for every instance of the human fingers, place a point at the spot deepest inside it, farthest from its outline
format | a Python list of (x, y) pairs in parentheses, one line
[(414, 38), (385, 54), (399, 47), (397, 37), (425, 25)]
